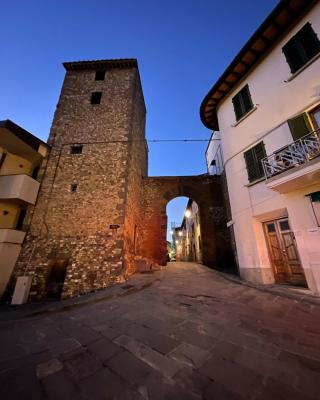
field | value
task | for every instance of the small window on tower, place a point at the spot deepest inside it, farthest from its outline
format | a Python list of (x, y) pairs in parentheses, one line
[(100, 75), (73, 187), (76, 149), (96, 97)]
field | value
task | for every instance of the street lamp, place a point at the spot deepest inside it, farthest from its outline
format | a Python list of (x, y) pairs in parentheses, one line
[(187, 214), (180, 233)]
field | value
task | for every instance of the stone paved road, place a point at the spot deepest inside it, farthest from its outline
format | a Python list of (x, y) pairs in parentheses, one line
[(190, 335)]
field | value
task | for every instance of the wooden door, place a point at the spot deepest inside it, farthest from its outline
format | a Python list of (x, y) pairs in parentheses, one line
[(283, 253), (56, 277), (315, 117)]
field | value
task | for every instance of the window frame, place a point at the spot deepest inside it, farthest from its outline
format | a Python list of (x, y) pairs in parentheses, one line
[(100, 75), (74, 149), (239, 101), (296, 51), (96, 98)]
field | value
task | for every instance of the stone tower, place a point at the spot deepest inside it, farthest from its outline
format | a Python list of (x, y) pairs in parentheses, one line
[(83, 232)]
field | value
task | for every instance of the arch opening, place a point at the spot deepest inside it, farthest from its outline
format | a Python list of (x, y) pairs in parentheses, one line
[(184, 241)]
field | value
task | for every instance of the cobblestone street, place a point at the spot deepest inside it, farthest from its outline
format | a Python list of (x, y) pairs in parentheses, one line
[(182, 333)]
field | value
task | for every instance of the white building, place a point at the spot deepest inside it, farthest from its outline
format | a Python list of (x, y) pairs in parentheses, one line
[(266, 106), (21, 157), (214, 156)]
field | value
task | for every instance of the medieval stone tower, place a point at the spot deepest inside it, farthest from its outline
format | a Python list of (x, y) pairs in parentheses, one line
[(83, 231)]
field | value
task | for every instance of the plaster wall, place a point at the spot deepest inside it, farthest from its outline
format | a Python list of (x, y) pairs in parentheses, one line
[(276, 99)]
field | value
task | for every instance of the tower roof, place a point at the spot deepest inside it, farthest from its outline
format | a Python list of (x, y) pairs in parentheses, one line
[(101, 64)]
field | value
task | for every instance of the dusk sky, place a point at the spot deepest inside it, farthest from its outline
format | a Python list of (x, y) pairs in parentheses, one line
[(182, 47)]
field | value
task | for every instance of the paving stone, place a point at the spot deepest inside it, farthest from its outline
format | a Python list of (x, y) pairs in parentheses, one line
[(216, 391), (103, 349), (263, 349), (163, 344), (157, 361), (59, 386), (82, 365), (190, 355), (158, 387), (106, 331), (190, 379), (128, 367), (239, 380), (20, 383), (102, 385), (48, 368), (277, 390), (64, 345)]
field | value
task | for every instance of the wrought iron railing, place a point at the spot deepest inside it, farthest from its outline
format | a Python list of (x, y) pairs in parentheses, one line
[(296, 153)]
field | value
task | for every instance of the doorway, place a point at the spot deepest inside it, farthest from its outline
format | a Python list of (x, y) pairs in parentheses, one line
[(56, 277), (283, 253)]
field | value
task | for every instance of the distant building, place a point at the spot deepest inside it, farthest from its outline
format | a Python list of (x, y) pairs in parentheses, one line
[(266, 106), (187, 237), (21, 156), (214, 156)]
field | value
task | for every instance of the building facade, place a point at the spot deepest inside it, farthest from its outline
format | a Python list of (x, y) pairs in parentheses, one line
[(22, 162), (187, 238), (85, 226), (266, 106)]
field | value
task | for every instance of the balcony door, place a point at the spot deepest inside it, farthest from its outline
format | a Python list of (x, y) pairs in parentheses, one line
[(283, 253), (315, 116)]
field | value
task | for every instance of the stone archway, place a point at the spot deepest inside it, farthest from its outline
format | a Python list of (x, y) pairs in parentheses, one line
[(206, 191)]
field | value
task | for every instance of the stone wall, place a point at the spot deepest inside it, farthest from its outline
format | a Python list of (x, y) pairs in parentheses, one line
[(75, 226), (206, 191)]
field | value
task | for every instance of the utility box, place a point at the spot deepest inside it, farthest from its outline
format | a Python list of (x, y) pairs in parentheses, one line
[(21, 290)]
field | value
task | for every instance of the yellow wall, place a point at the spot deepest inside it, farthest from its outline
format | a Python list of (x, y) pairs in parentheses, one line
[(9, 220), (15, 165)]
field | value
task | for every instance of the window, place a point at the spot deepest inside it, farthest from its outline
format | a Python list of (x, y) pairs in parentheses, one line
[(299, 126), (315, 204), (100, 75), (96, 97), (242, 102), (73, 187), (301, 48), (253, 159), (77, 149)]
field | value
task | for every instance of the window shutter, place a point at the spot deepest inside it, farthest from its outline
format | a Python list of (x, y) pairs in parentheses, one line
[(246, 98), (260, 153), (237, 107), (251, 164), (253, 159), (292, 55), (299, 126), (310, 41), (301, 48)]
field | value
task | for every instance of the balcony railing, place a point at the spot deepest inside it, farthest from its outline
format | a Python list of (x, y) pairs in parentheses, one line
[(297, 153)]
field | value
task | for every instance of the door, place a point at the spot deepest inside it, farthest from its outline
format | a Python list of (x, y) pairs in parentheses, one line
[(315, 117), (283, 253), (57, 274)]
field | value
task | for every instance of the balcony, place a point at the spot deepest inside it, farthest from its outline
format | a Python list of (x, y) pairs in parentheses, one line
[(295, 165), (19, 187), (12, 236)]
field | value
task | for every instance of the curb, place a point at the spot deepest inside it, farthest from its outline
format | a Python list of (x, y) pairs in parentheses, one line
[(302, 298)]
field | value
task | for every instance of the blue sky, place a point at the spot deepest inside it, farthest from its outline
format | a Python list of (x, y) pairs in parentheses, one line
[(182, 47)]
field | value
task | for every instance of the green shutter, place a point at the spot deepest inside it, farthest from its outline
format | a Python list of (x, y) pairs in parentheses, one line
[(237, 106), (253, 159), (260, 153), (299, 126), (251, 165), (246, 99)]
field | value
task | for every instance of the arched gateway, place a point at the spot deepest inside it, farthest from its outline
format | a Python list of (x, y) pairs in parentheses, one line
[(97, 209), (206, 191)]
